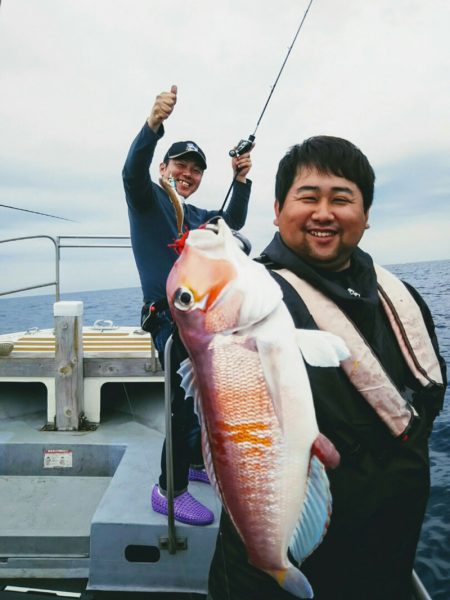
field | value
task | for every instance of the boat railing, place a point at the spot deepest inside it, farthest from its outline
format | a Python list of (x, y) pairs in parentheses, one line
[(64, 241), (87, 241)]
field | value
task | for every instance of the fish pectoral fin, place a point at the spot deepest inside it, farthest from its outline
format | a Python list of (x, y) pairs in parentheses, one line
[(321, 348), (189, 385), (315, 516), (325, 451), (274, 372)]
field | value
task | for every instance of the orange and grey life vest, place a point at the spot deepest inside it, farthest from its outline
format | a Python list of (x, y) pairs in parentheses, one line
[(363, 367)]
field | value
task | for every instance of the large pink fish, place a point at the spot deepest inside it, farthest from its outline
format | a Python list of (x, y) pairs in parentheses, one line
[(262, 447)]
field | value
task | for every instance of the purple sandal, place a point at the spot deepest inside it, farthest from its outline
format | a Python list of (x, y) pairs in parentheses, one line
[(198, 475), (186, 508)]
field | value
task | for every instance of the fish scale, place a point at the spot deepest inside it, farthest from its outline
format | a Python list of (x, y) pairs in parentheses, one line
[(245, 438)]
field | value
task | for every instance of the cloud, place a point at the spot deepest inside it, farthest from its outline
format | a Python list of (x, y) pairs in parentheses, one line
[(413, 187), (78, 79), (394, 243)]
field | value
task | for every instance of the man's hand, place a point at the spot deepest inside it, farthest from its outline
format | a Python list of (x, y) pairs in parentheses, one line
[(241, 166), (162, 108)]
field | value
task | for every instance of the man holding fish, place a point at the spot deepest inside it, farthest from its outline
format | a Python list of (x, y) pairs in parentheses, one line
[(154, 227), (265, 386)]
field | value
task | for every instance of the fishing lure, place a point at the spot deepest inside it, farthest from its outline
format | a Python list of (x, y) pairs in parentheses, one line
[(170, 185)]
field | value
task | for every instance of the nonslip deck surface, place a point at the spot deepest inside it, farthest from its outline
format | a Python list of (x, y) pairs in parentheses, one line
[(48, 515)]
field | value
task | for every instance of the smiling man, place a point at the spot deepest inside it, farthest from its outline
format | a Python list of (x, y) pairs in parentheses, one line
[(322, 218), (377, 408), (153, 229)]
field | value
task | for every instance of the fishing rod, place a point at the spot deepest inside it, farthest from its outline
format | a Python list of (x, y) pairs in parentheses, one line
[(245, 145), (35, 211)]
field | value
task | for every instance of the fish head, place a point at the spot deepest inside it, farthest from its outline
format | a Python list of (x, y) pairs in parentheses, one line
[(214, 286)]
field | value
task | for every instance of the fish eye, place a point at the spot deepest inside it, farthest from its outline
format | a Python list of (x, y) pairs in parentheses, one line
[(183, 299)]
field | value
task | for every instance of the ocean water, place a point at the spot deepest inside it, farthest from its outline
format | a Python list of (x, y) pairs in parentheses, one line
[(431, 279)]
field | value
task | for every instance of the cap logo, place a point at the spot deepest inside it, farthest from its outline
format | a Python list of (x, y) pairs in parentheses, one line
[(190, 147)]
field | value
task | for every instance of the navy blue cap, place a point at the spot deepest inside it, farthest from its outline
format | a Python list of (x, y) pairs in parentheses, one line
[(181, 148)]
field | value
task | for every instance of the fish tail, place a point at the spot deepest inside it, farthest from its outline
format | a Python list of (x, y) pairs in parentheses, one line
[(293, 581)]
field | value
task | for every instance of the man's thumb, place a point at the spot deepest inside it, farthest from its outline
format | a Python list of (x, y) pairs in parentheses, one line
[(174, 89)]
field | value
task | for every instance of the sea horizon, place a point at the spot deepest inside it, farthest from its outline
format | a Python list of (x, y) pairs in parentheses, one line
[(111, 289)]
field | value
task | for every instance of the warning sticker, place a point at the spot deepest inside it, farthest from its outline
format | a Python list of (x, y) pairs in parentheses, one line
[(57, 459)]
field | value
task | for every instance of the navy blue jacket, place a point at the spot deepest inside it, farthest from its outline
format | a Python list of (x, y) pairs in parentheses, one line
[(152, 217)]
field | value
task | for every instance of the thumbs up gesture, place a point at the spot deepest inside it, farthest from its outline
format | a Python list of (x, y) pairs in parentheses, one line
[(162, 108)]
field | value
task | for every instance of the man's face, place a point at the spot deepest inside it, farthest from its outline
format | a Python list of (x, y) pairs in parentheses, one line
[(322, 219), (186, 171)]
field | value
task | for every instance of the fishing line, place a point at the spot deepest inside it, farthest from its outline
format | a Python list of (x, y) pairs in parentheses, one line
[(247, 144), (35, 212)]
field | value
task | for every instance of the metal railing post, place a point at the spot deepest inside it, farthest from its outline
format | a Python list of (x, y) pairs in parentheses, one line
[(57, 269), (419, 590), (172, 543)]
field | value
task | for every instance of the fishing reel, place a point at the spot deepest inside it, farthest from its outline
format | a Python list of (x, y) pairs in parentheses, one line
[(243, 147)]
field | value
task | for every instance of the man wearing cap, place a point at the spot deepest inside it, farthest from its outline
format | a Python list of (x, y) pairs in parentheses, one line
[(153, 228)]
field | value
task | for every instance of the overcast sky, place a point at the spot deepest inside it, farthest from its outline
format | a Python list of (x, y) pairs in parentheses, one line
[(78, 78)]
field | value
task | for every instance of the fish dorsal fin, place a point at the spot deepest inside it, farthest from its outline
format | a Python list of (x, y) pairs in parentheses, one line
[(315, 516), (188, 383), (321, 348)]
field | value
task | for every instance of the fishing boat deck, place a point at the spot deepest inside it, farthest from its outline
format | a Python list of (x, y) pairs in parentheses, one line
[(77, 504), (76, 500)]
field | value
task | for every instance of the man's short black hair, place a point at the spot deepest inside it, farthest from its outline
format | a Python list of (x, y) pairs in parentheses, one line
[(327, 154)]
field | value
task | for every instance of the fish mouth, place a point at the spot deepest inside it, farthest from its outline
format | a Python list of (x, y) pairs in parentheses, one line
[(216, 226), (212, 226), (209, 239)]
